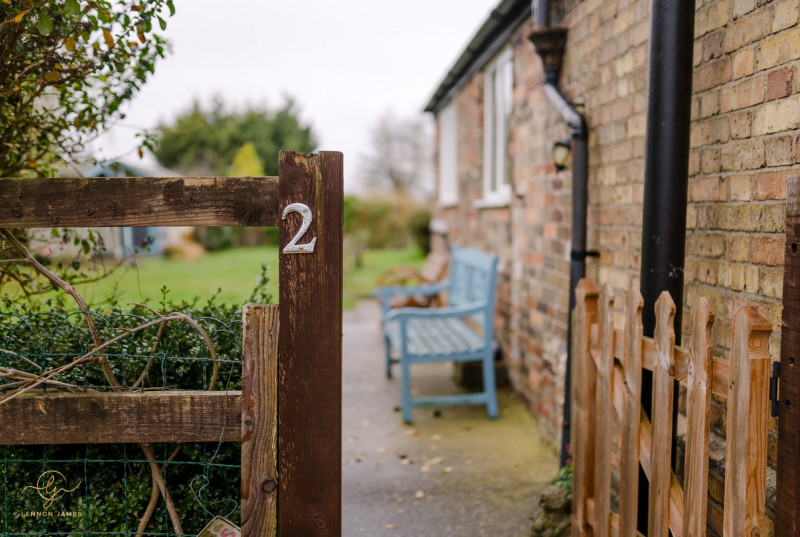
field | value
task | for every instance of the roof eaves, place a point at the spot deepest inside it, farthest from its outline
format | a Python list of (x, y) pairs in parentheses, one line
[(503, 20)]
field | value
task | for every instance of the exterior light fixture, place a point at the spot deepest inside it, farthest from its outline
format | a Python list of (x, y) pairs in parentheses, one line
[(561, 151)]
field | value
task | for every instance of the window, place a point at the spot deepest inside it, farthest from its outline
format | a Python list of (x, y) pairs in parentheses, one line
[(498, 87), (448, 155)]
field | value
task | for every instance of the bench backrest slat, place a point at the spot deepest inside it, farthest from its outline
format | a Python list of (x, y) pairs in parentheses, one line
[(473, 279)]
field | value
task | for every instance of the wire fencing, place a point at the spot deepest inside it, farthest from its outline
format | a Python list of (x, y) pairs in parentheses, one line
[(113, 489)]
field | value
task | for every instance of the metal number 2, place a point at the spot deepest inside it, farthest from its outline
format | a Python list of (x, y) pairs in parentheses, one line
[(293, 247)]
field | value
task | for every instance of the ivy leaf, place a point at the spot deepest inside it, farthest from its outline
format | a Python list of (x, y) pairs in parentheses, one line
[(108, 38), (74, 7), (44, 24), (162, 23), (18, 18)]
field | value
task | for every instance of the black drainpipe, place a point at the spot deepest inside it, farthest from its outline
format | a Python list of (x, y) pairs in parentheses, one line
[(549, 44), (666, 178)]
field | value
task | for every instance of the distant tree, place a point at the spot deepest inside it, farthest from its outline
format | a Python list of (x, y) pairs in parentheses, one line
[(205, 140), (65, 69), (400, 157), (246, 162)]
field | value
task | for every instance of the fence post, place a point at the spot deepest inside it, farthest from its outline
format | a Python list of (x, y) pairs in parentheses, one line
[(310, 345), (663, 377), (748, 414), (259, 419), (583, 390), (631, 414), (698, 406), (604, 404)]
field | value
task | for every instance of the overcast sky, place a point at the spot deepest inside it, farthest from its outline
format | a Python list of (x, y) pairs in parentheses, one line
[(345, 62)]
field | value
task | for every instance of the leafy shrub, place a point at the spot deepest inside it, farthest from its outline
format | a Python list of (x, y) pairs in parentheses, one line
[(114, 482), (381, 221), (420, 226)]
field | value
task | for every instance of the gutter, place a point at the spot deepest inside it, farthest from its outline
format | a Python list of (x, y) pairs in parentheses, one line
[(489, 39), (549, 43)]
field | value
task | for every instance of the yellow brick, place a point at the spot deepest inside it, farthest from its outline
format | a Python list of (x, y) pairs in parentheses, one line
[(774, 219), (744, 62), (784, 14), (636, 125), (778, 49), (747, 30), (778, 116), (691, 217), (741, 7), (624, 20), (772, 282), (739, 187), (712, 17), (706, 244), (624, 64), (751, 279), (707, 271), (739, 248), (732, 276)]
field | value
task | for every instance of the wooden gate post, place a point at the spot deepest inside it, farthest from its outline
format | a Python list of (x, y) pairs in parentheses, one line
[(787, 508), (310, 344)]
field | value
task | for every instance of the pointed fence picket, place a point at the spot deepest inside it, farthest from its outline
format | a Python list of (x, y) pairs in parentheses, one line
[(607, 387)]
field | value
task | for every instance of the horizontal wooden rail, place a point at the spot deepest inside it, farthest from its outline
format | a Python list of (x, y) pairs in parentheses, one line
[(139, 201), (721, 368), (121, 417)]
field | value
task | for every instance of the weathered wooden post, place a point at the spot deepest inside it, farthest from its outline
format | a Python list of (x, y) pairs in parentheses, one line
[(310, 197)]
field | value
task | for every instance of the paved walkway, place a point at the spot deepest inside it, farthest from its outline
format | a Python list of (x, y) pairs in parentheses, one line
[(454, 472)]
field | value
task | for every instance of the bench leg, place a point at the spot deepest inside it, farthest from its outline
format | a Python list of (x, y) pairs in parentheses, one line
[(388, 357), (406, 390), (490, 386)]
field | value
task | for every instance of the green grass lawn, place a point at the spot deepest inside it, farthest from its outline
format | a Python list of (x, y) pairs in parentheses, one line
[(235, 271)]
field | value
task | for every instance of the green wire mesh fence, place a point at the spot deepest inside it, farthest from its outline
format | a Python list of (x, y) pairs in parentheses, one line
[(108, 489)]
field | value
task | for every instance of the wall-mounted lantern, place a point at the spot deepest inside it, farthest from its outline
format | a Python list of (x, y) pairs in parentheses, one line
[(561, 151)]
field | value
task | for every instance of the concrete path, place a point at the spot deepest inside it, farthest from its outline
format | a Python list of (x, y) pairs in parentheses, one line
[(454, 472)]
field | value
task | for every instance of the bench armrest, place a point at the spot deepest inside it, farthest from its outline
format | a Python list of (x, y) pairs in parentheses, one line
[(464, 310), (385, 293)]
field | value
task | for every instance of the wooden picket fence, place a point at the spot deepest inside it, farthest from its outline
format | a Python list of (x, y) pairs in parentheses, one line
[(607, 386)]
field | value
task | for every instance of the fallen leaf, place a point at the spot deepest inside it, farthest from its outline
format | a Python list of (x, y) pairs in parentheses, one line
[(412, 432)]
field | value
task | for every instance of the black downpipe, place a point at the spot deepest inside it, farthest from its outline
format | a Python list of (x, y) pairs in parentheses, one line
[(549, 44), (577, 262), (666, 177)]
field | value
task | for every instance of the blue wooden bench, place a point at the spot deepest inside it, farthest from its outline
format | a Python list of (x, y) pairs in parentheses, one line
[(462, 331)]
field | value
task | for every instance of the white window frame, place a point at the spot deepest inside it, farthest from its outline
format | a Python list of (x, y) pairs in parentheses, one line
[(448, 155), (497, 105)]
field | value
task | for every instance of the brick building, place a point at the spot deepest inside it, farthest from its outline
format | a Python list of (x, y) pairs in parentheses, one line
[(499, 190)]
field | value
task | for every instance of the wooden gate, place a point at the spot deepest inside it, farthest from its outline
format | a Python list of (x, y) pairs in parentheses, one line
[(607, 386), (290, 404)]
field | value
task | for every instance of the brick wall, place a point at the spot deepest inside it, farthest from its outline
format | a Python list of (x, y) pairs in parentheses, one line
[(744, 143)]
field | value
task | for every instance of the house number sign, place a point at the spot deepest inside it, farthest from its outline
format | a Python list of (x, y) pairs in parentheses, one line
[(293, 247)]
